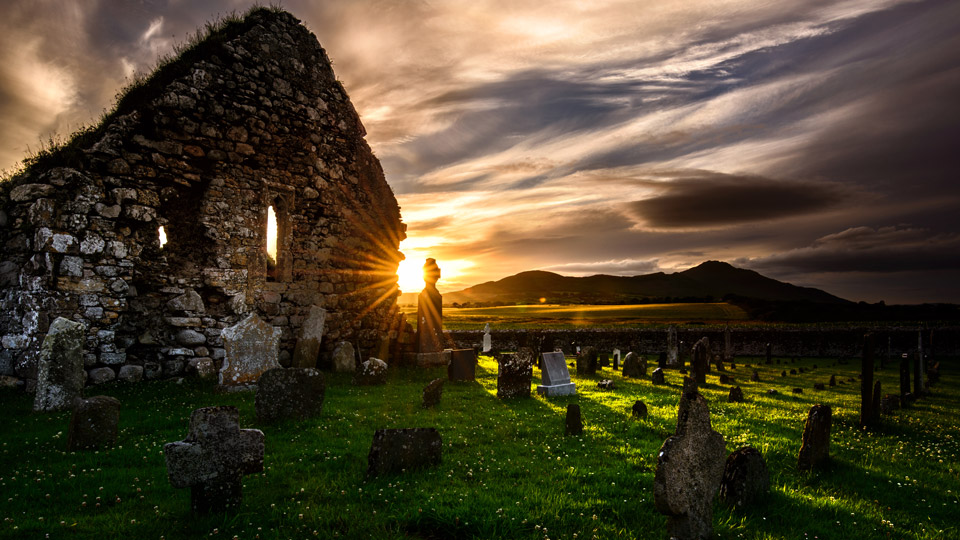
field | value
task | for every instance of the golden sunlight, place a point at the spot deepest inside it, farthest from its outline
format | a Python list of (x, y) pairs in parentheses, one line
[(410, 275), (272, 234), (163, 236)]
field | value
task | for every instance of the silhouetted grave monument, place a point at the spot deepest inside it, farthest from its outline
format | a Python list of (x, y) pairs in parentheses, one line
[(689, 468), (396, 451), (251, 349), (487, 339), (616, 359), (463, 365), (603, 359), (555, 376), (867, 417), (889, 403), (513, 377), (657, 377), (639, 409), (736, 395), (344, 357), (371, 373), (726, 379), (727, 345), (673, 354), (430, 397), (755, 376), (833, 380), (587, 361), (767, 355), (289, 394), (573, 424), (815, 448), (308, 342), (430, 340), (60, 372), (701, 360), (719, 362), (213, 458), (904, 375), (746, 479), (93, 423), (797, 390), (634, 366)]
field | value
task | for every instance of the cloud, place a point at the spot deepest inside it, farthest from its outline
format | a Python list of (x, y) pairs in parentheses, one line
[(623, 267), (709, 199)]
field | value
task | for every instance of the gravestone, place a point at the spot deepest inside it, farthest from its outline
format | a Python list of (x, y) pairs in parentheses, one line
[(673, 354), (767, 354), (587, 361), (289, 394), (701, 360), (573, 424), (616, 359), (603, 360), (251, 349), (633, 366), (430, 338), (719, 362), (917, 376), (373, 372), (727, 345), (889, 403), (308, 342), (736, 395), (689, 468), (395, 451), (755, 376), (904, 375), (639, 409), (60, 367), (430, 397), (867, 416), (833, 380), (555, 376), (819, 386), (463, 365), (815, 449), (797, 390), (606, 384), (93, 423), (487, 340), (657, 377), (213, 458), (513, 377), (344, 358), (746, 479), (726, 379)]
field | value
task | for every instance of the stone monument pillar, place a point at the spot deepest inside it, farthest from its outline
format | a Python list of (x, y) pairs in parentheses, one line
[(430, 340)]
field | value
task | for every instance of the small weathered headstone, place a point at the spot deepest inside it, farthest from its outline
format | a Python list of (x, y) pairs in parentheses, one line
[(603, 360), (94, 423), (308, 342), (573, 423), (736, 395), (657, 377), (727, 346), (797, 390), (718, 361), (639, 409), (616, 359), (513, 377), (889, 403), (430, 397), (833, 380), (399, 450), (755, 376), (587, 361), (60, 368), (371, 373), (815, 449), (633, 367), (213, 458), (463, 365), (904, 375), (793, 372), (726, 379), (606, 384), (292, 393), (251, 349), (344, 357), (772, 392), (689, 468), (745, 478), (555, 376)]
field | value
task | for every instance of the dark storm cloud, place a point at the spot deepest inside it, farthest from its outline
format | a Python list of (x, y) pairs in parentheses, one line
[(713, 199)]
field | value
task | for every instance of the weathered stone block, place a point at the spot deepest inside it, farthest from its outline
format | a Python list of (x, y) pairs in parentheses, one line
[(60, 372)]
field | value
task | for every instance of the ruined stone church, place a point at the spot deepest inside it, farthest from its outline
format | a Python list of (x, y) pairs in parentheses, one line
[(151, 227)]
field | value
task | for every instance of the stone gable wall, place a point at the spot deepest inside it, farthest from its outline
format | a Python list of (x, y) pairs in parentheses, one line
[(259, 121)]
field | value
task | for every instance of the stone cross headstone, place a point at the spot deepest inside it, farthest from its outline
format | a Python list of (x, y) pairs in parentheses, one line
[(513, 377), (673, 354), (866, 387), (308, 343), (251, 349), (746, 479), (815, 449), (293, 393), (701, 360), (94, 423), (430, 311), (463, 365), (396, 451), (60, 367), (689, 468), (213, 458), (487, 340), (344, 358), (555, 376)]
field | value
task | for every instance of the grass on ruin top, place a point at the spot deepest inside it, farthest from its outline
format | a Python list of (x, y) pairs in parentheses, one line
[(508, 471)]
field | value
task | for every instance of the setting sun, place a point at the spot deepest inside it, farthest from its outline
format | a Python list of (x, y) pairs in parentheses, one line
[(410, 274)]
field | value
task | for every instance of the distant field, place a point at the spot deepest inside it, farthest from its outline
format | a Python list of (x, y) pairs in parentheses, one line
[(556, 316)]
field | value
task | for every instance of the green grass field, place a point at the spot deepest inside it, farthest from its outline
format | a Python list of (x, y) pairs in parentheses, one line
[(508, 471), (582, 316)]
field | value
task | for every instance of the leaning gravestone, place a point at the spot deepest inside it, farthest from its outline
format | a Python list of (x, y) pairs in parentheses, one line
[(430, 397), (251, 349), (587, 361), (632, 366), (639, 409), (463, 365), (294, 393), (371, 373), (573, 425), (745, 478), (399, 450), (308, 343), (60, 368), (815, 450), (213, 458), (555, 376), (94, 423), (689, 469), (736, 395), (513, 377), (344, 358)]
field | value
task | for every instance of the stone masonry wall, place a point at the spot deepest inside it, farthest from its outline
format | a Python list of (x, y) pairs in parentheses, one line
[(257, 120)]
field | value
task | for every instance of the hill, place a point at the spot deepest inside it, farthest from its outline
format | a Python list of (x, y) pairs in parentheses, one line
[(709, 281)]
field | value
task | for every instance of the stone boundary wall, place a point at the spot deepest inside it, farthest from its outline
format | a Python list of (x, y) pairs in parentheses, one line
[(751, 341)]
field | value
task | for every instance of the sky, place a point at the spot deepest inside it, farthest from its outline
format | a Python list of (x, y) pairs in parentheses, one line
[(816, 142)]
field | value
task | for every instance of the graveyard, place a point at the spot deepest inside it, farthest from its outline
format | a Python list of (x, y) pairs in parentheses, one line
[(507, 470)]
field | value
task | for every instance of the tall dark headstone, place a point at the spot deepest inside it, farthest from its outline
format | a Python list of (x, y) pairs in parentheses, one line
[(701, 360), (746, 479), (587, 361), (513, 376), (815, 449), (866, 385), (573, 423), (904, 375), (917, 375), (768, 355), (463, 365)]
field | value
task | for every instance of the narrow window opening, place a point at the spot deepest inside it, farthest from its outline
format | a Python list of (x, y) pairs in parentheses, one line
[(271, 243), (163, 236)]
